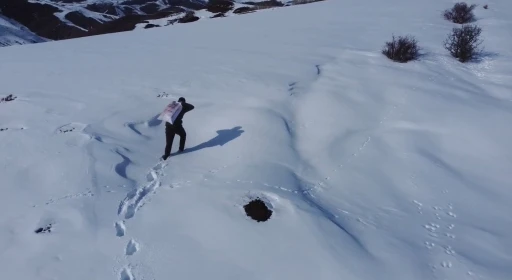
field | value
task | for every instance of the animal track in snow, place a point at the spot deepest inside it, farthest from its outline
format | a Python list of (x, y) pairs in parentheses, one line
[(69, 196), (419, 205), (70, 127), (429, 245), (446, 264), (216, 170), (11, 128), (132, 247), (319, 186), (431, 227), (449, 235), (266, 185), (126, 274), (120, 229), (163, 95), (451, 214), (448, 250), (441, 231)]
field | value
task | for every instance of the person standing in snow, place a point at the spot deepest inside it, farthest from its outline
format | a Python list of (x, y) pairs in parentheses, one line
[(176, 128)]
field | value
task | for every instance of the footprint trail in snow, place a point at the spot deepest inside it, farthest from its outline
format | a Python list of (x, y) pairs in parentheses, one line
[(126, 274), (120, 228), (134, 200), (132, 247), (129, 207)]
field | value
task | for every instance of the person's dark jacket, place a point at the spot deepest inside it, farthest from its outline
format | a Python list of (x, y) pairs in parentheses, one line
[(186, 107)]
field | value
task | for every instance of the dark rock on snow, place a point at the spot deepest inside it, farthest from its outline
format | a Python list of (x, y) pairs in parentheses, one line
[(45, 229)]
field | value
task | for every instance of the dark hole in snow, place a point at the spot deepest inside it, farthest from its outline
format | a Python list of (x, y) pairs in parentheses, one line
[(45, 229), (258, 210)]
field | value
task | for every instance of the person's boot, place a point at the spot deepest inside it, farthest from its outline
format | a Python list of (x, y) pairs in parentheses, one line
[(164, 157)]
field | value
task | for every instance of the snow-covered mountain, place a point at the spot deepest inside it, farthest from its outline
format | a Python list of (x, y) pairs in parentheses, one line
[(372, 169), (65, 19), (13, 33)]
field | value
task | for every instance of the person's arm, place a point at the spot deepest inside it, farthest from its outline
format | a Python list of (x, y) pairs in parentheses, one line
[(187, 107)]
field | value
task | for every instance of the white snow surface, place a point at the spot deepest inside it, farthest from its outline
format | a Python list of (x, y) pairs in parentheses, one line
[(373, 169), (13, 33)]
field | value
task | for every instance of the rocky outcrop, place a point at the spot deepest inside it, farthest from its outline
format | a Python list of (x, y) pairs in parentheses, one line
[(65, 19), (40, 19)]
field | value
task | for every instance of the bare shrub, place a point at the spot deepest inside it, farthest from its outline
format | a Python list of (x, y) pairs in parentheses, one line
[(460, 13), (403, 49), (464, 42)]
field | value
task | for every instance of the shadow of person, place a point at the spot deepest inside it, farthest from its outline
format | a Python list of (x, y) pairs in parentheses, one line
[(223, 137)]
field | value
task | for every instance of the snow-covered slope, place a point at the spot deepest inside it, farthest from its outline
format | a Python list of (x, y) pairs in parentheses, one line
[(12, 33), (374, 170)]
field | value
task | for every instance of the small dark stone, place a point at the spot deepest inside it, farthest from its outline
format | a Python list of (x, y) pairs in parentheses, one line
[(258, 210), (8, 98), (45, 229)]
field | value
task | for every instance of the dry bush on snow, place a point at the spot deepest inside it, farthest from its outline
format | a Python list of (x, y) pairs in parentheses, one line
[(402, 49), (460, 13), (464, 42)]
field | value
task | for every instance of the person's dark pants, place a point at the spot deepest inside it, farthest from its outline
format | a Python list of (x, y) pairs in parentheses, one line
[(170, 131)]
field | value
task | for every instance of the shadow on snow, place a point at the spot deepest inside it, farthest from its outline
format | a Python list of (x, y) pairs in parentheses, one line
[(223, 137)]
